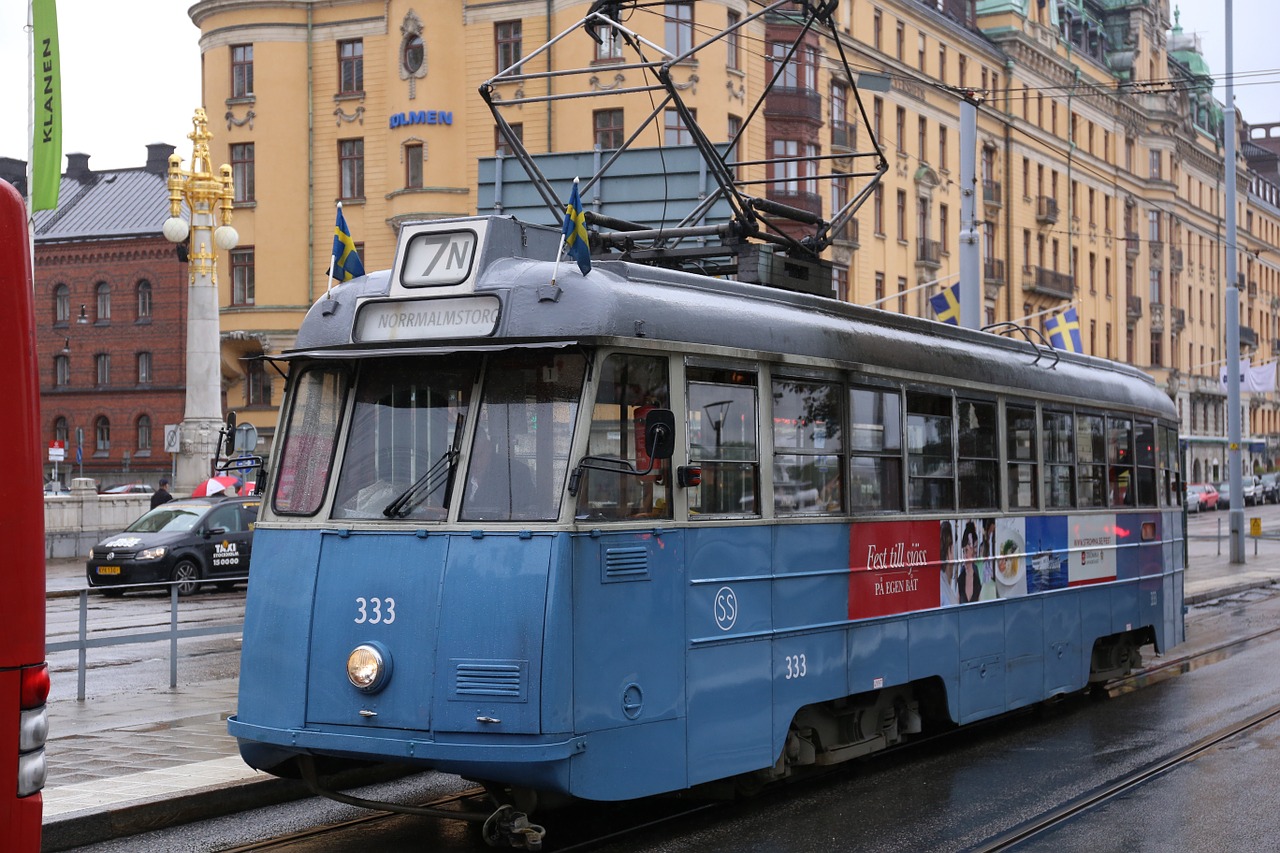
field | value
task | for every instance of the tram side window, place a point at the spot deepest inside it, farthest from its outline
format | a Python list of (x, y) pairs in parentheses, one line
[(307, 453), (1091, 451), (403, 429), (978, 468), (930, 465), (1058, 438), (1021, 452), (1170, 493), (524, 431), (630, 386), (1144, 440), (875, 445), (808, 441), (1120, 483), (723, 439)]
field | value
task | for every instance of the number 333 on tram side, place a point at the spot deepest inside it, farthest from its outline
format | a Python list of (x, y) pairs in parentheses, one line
[(638, 531)]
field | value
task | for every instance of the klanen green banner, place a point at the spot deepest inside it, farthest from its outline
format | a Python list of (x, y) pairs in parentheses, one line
[(46, 147)]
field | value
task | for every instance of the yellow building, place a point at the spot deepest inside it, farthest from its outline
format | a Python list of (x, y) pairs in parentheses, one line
[(1099, 157)]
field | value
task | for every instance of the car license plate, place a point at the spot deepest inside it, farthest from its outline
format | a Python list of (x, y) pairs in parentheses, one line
[(108, 570)]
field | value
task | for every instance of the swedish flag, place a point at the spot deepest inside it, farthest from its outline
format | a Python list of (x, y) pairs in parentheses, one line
[(1064, 331), (346, 261), (575, 231), (946, 305)]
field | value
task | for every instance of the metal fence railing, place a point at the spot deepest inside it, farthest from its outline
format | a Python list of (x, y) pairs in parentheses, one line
[(84, 642)]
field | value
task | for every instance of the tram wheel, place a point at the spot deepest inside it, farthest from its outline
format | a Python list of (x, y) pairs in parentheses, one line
[(186, 575)]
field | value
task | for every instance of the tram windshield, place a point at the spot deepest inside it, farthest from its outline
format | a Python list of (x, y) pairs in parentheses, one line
[(404, 444)]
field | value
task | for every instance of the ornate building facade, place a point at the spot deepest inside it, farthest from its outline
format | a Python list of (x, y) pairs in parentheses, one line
[(1099, 156)]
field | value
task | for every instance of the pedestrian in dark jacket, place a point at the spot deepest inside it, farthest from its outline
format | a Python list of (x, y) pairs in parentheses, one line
[(161, 495)]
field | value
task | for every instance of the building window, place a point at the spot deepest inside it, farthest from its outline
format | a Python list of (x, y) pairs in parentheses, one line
[(877, 30), (674, 130), (413, 54), (144, 368), (257, 384), (102, 434), (351, 167), (61, 431), (610, 45), (942, 147), (144, 432), (242, 276), (500, 143), (731, 155), (241, 70), (413, 166), (103, 291), (900, 43), (102, 363), (61, 370), (608, 126), (902, 214), (679, 28), (351, 66), (878, 220), (800, 73), (784, 170), (900, 126), (61, 305), (143, 292), (732, 45), (242, 171), (507, 41)]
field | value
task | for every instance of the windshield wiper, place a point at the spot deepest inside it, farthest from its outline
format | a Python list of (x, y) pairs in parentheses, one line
[(439, 474)]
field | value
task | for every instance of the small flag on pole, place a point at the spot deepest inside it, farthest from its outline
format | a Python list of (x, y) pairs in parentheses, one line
[(946, 305), (46, 141), (346, 261), (1064, 331), (575, 231)]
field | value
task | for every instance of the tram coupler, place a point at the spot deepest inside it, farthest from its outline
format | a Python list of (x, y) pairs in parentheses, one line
[(507, 827)]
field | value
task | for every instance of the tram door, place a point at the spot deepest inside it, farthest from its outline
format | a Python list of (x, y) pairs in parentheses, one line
[(628, 583)]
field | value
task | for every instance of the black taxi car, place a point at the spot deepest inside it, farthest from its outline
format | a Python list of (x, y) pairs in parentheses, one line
[(188, 541)]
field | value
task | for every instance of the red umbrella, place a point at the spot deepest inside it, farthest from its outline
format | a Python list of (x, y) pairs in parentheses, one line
[(213, 486)]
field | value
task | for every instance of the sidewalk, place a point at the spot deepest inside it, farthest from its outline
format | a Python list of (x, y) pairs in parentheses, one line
[(125, 764)]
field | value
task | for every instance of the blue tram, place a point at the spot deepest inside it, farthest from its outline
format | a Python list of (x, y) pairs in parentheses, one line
[(631, 532)]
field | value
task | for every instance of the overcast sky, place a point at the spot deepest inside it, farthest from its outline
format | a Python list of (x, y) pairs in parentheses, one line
[(131, 72)]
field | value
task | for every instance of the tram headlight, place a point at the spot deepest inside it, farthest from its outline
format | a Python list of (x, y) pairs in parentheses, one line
[(369, 667)]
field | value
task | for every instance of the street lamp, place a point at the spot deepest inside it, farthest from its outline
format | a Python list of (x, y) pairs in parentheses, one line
[(208, 198)]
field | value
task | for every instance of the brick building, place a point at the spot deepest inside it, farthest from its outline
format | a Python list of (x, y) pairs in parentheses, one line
[(110, 303)]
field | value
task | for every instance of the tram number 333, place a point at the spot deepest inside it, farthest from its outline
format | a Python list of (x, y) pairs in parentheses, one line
[(796, 667), (375, 610)]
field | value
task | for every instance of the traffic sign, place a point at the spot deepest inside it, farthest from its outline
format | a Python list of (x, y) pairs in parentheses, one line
[(172, 438), (57, 451)]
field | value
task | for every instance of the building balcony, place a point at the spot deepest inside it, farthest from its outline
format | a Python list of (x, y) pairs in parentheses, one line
[(1048, 282), (1133, 308), (1046, 210), (928, 253), (1177, 320), (993, 270), (842, 137), (1248, 337), (1132, 245), (806, 201), (793, 103), (1175, 260), (992, 193)]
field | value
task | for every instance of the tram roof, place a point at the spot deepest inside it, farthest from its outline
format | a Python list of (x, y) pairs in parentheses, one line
[(620, 301)]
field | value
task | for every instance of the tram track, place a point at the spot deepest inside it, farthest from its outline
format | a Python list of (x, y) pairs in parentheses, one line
[(654, 814), (1106, 793)]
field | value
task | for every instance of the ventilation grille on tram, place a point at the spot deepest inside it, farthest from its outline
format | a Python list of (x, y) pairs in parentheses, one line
[(626, 564), (490, 678)]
